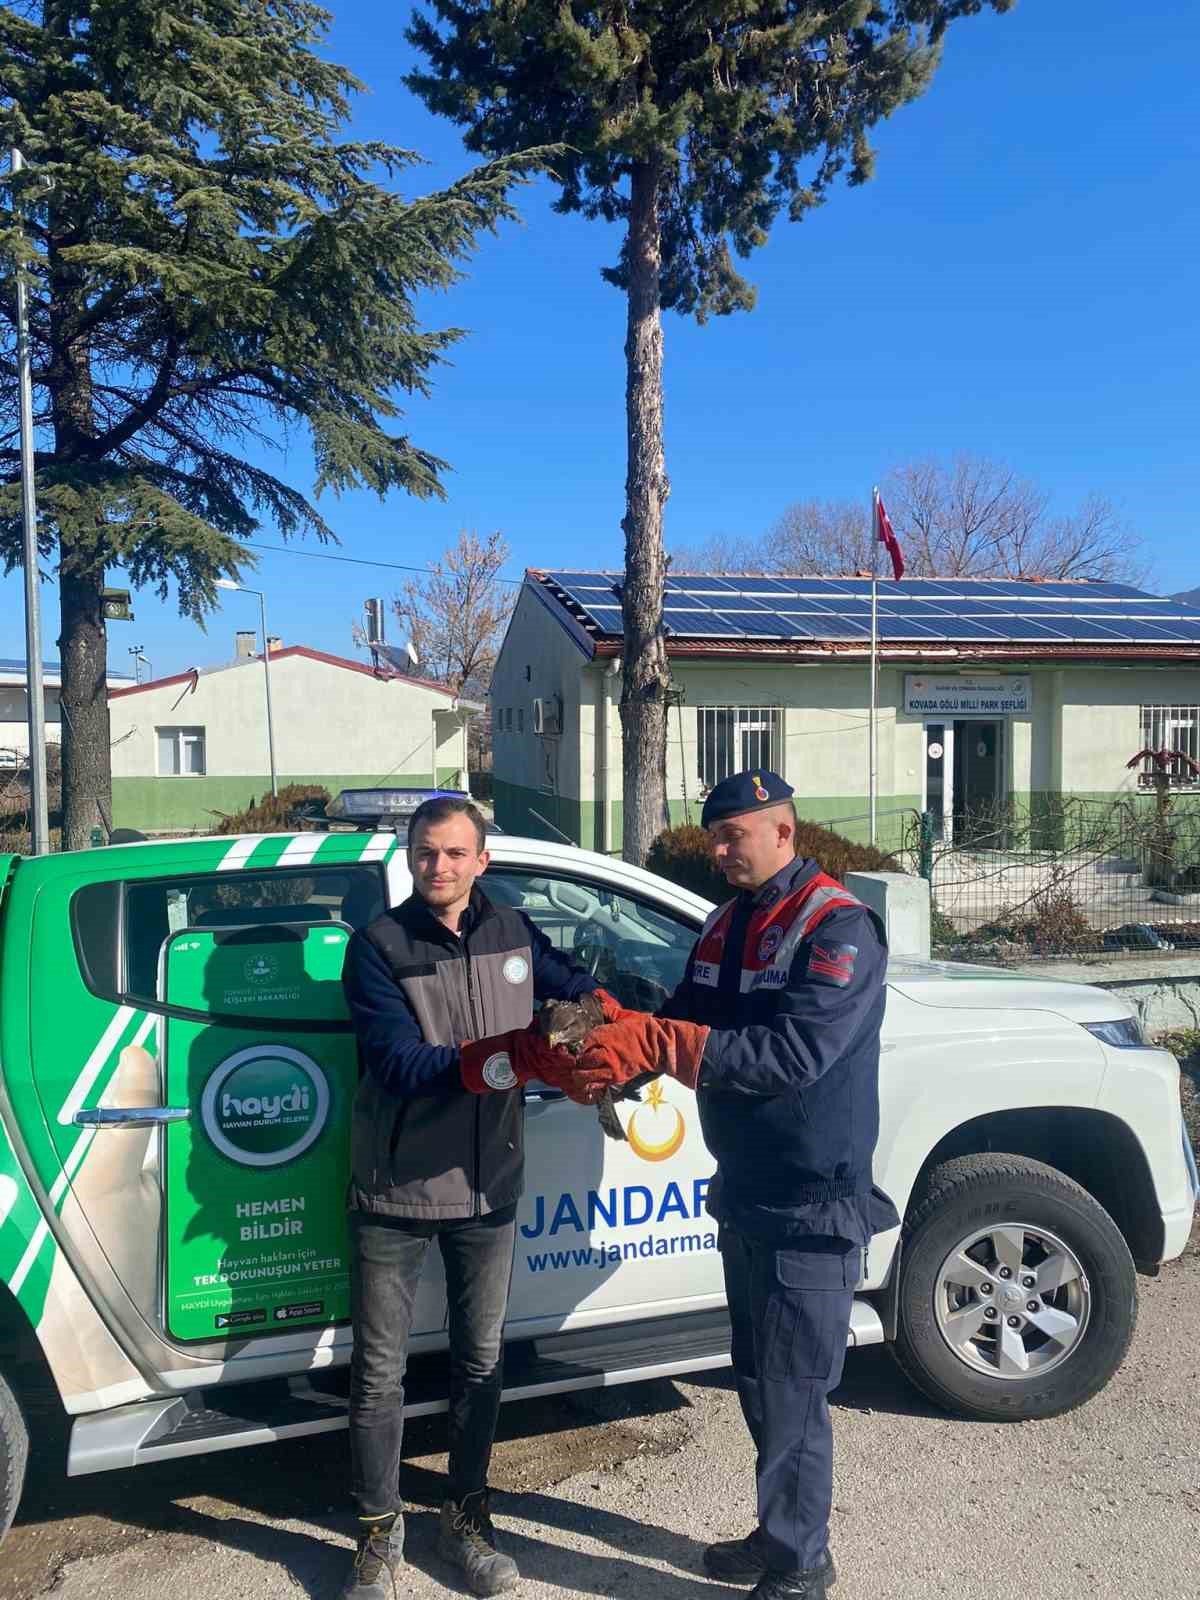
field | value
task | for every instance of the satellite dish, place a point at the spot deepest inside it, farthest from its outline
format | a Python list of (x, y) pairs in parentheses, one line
[(400, 656)]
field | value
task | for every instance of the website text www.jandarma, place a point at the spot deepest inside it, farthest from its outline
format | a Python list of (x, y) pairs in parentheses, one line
[(603, 1255)]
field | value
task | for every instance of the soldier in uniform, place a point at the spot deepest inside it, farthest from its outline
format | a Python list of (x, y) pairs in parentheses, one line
[(776, 1026)]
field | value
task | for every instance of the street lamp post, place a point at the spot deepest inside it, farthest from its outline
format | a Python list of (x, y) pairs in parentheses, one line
[(35, 694), (228, 583)]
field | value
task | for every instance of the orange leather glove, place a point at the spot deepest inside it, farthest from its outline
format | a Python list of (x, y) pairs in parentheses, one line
[(636, 1047), (507, 1059), (614, 1011)]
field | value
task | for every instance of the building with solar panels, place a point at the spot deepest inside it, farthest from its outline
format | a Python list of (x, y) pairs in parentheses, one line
[(994, 696)]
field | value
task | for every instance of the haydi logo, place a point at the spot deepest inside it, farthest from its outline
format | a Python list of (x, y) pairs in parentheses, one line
[(265, 1106)]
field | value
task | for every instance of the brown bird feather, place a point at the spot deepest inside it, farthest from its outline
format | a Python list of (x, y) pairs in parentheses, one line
[(568, 1023)]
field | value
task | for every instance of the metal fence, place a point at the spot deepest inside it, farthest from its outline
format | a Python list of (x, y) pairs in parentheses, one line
[(1075, 878)]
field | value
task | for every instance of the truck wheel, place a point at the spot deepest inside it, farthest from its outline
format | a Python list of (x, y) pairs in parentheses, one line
[(1017, 1295), (14, 1453)]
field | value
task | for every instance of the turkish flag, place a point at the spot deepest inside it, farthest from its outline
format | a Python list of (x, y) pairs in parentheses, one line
[(886, 535)]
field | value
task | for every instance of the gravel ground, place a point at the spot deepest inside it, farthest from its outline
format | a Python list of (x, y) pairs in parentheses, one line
[(614, 1493)]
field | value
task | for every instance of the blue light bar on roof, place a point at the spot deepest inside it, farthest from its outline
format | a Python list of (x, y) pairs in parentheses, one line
[(384, 805)]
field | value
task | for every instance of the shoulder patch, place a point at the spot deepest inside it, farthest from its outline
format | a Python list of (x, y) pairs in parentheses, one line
[(832, 963)]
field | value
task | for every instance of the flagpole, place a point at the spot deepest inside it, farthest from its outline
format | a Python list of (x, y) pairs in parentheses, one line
[(872, 723)]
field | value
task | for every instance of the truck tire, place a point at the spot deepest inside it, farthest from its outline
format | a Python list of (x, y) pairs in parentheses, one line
[(1017, 1296), (14, 1454)]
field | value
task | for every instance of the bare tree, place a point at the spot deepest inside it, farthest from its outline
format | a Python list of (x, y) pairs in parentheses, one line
[(456, 615), (970, 518)]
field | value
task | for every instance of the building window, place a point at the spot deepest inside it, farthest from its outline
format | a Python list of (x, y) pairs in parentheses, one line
[(180, 752), (736, 739), (1171, 728), (520, 719)]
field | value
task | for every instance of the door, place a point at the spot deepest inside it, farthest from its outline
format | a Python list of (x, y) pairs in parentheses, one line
[(977, 777), (610, 1228), (209, 1056), (938, 789)]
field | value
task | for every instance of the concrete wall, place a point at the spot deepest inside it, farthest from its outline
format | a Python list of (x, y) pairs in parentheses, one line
[(543, 784), (1100, 726), (333, 726)]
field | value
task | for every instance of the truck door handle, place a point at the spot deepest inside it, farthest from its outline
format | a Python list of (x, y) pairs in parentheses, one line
[(543, 1095), (130, 1116)]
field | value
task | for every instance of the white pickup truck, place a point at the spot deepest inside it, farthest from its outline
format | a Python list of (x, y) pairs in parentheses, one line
[(176, 1071)]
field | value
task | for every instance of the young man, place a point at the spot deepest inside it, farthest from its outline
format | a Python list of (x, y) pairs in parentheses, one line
[(776, 1026), (441, 993)]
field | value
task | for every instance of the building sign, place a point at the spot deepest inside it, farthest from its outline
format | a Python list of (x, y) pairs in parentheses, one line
[(1009, 696)]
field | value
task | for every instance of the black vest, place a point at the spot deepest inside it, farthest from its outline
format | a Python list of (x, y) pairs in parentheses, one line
[(445, 1156)]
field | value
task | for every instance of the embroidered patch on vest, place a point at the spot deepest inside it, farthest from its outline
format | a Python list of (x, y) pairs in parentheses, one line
[(498, 1071), (770, 942), (833, 963), (515, 969)]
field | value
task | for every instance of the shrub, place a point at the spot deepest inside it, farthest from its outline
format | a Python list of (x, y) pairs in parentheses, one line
[(942, 931), (838, 856), (1050, 925), (684, 856), (295, 809)]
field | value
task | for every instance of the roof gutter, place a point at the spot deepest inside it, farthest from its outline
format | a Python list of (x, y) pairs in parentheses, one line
[(733, 649)]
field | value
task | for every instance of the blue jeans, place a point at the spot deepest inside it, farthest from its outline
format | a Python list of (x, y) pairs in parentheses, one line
[(789, 1309), (387, 1256)]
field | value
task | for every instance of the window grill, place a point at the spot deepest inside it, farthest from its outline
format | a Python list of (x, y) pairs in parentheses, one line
[(736, 739), (1171, 728)]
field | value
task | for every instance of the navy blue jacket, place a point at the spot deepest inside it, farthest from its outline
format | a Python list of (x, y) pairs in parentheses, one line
[(790, 979)]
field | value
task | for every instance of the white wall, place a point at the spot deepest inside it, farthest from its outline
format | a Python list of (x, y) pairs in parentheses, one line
[(538, 659), (327, 719), (14, 724), (1101, 725)]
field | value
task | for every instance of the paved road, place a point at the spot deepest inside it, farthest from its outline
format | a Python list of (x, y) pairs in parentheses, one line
[(614, 1494)]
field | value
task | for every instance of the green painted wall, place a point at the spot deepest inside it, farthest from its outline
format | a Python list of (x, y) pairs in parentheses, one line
[(168, 805), (536, 815)]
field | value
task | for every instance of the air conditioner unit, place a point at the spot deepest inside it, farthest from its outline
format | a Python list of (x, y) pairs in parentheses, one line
[(547, 715)]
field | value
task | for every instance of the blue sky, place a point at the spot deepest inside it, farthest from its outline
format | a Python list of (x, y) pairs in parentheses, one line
[(1018, 281)]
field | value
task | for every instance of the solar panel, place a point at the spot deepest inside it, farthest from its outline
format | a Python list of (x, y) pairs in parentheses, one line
[(1029, 629), (762, 606), (798, 627), (843, 628), (1080, 628), (687, 585), (902, 628), (584, 580), (1183, 632), (757, 585), (702, 624)]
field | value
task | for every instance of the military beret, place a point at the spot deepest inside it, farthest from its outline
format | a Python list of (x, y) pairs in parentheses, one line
[(744, 791)]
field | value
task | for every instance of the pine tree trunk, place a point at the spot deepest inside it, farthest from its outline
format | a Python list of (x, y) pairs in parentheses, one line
[(644, 655), (86, 753)]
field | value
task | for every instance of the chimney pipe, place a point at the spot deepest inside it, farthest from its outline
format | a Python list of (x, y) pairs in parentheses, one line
[(245, 640)]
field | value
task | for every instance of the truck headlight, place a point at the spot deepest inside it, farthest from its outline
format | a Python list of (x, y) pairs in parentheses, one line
[(1124, 1034)]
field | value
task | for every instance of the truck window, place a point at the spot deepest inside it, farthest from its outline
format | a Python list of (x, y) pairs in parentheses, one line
[(637, 951), (119, 927)]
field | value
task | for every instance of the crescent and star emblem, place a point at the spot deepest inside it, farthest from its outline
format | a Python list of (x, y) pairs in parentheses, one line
[(657, 1110)]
